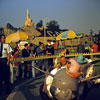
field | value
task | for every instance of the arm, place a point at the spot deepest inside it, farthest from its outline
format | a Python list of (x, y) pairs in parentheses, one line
[(8, 58), (74, 75), (9, 50)]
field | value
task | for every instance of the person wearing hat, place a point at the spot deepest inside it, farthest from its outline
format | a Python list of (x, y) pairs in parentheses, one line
[(73, 68), (80, 59)]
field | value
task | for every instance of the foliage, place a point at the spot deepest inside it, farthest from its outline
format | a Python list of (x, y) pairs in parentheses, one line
[(53, 25), (8, 29), (91, 32), (39, 24)]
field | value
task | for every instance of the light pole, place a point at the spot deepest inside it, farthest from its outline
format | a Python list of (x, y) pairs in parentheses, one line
[(45, 21)]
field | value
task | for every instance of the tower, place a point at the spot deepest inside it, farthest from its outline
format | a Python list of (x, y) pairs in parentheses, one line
[(28, 21), (28, 14)]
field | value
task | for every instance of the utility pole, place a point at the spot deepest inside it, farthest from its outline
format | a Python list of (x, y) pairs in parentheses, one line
[(45, 22)]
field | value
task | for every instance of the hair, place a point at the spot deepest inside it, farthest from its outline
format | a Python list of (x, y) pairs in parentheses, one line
[(40, 43), (62, 57), (85, 42), (26, 44), (1, 36), (15, 50), (80, 42), (48, 40)]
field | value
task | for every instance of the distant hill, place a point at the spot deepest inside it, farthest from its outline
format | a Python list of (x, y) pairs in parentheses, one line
[(8, 29)]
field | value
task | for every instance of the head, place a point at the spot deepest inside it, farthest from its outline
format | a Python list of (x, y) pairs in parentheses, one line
[(85, 42), (29, 47), (57, 66), (63, 60), (26, 45), (49, 42), (94, 42), (52, 43), (42, 45), (80, 42), (63, 49), (2, 38)]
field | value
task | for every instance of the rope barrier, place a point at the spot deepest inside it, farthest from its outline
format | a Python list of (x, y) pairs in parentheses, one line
[(31, 58), (43, 71), (90, 78)]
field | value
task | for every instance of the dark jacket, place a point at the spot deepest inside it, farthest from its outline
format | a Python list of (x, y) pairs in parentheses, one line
[(25, 53), (80, 48)]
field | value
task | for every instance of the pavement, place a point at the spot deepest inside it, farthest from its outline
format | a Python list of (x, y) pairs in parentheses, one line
[(25, 89)]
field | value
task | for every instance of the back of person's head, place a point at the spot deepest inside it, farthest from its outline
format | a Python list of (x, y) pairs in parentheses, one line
[(26, 44), (40, 43), (85, 42), (48, 40)]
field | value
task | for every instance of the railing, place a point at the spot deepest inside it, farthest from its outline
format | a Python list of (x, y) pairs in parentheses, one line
[(31, 58)]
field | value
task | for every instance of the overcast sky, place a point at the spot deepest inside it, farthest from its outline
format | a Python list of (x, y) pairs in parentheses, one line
[(81, 15)]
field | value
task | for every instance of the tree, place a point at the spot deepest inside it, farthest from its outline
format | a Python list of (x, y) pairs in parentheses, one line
[(53, 25), (99, 32), (91, 32), (39, 24)]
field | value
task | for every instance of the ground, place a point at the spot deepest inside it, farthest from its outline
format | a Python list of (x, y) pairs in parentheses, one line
[(25, 90)]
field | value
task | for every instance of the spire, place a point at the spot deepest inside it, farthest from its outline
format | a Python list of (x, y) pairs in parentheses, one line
[(28, 14), (28, 21)]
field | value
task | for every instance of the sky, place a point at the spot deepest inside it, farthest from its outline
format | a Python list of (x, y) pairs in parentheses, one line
[(79, 15)]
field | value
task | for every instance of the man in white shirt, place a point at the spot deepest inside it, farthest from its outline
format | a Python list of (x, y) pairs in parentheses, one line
[(5, 54)]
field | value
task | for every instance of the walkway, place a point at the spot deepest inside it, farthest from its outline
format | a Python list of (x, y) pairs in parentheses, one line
[(26, 90)]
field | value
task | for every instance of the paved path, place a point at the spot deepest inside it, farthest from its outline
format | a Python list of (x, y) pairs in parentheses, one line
[(26, 90)]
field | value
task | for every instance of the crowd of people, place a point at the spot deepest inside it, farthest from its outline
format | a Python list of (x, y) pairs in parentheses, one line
[(86, 48), (6, 53)]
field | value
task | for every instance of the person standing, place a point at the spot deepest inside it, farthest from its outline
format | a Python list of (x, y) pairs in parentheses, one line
[(16, 64), (80, 47), (50, 51), (94, 47), (98, 43), (5, 54), (40, 51), (27, 64), (86, 47)]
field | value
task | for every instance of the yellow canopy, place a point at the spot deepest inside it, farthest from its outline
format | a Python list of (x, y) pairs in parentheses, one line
[(15, 37), (68, 35)]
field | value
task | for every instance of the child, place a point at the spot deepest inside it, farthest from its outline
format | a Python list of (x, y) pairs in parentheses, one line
[(16, 64)]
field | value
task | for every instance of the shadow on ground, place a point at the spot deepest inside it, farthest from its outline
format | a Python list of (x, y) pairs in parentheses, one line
[(26, 89)]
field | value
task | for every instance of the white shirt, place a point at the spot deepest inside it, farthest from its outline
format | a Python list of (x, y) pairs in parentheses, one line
[(49, 80), (6, 49)]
